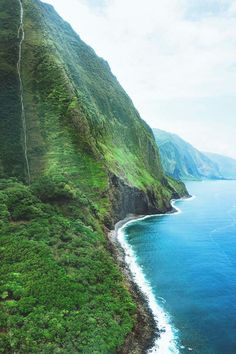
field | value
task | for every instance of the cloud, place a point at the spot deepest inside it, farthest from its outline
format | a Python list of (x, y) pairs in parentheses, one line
[(162, 50), (154, 45)]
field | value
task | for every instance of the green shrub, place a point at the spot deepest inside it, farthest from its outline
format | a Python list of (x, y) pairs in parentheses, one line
[(50, 189)]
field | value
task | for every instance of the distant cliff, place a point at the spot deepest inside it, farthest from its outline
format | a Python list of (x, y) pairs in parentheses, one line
[(226, 165), (182, 161)]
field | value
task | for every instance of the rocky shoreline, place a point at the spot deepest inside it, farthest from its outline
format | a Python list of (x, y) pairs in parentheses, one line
[(145, 331)]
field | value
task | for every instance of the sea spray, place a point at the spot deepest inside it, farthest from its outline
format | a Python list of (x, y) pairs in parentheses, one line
[(167, 337), (21, 37)]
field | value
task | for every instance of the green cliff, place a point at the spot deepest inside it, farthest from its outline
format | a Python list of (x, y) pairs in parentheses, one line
[(90, 160), (182, 161)]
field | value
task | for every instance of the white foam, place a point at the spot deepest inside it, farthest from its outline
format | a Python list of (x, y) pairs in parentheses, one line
[(167, 339), (190, 199)]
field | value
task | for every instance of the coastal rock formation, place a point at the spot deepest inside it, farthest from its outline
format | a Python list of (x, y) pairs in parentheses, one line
[(127, 200)]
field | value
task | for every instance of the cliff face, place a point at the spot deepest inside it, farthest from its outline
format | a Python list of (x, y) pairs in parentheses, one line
[(128, 200), (76, 112), (182, 161), (91, 161), (226, 165)]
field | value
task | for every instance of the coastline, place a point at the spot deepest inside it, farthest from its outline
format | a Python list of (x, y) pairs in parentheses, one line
[(142, 338), (152, 322)]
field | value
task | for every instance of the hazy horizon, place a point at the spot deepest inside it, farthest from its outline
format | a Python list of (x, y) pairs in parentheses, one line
[(175, 58)]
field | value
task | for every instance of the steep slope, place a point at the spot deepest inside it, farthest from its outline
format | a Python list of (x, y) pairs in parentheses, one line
[(226, 165), (182, 161), (77, 114), (75, 157)]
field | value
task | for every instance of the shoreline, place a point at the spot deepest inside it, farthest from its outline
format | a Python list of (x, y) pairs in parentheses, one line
[(148, 332), (142, 337)]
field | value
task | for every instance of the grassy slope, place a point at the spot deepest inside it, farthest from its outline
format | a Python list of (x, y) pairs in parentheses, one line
[(60, 290), (181, 160), (77, 111)]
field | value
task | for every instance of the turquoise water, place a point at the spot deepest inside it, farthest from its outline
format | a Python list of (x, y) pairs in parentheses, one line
[(189, 260)]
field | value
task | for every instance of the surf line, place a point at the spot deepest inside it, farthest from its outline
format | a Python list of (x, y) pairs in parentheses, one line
[(21, 37), (167, 336)]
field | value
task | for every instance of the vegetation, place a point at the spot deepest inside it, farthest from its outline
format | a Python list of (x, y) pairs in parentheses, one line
[(59, 288), (77, 109)]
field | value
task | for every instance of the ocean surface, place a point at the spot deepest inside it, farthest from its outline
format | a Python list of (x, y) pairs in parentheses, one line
[(185, 264)]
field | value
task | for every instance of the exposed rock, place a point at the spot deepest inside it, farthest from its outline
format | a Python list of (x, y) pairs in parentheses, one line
[(131, 200)]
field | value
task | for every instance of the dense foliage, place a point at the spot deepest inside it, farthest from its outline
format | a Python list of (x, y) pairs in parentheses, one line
[(59, 288)]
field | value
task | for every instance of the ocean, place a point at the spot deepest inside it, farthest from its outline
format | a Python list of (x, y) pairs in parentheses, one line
[(185, 264)]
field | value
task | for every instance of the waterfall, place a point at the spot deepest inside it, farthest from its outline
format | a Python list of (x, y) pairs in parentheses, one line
[(21, 36)]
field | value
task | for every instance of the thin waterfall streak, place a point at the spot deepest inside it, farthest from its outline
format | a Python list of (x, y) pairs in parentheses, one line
[(21, 36)]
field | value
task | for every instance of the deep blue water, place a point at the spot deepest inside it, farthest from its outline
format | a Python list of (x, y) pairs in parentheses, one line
[(189, 260)]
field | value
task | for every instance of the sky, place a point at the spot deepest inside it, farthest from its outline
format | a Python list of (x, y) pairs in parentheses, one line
[(175, 58)]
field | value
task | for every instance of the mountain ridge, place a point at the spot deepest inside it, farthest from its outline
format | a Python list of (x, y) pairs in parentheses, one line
[(226, 164), (183, 161)]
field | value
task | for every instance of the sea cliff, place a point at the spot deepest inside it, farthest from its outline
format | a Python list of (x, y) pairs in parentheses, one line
[(92, 160)]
